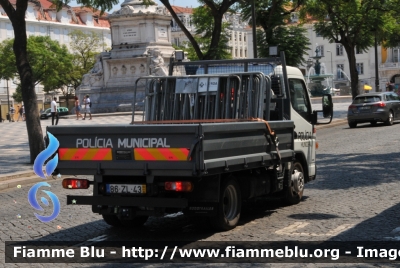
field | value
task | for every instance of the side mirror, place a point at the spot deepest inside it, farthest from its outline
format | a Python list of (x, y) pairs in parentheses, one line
[(327, 111)]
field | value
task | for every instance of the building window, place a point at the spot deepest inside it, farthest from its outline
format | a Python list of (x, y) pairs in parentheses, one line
[(176, 41), (358, 51), (340, 68), (244, 37), (396, 55), (66, 36), (10, 32), (321, 50), (339, 50), (245, 53), (236, 52), (360, 68), (240, 51), (240, 37)]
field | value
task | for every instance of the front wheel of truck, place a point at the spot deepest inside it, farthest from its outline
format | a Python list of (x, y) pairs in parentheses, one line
[(294, 190), (229, 207)]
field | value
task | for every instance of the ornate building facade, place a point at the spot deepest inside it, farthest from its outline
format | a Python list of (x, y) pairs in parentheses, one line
[(43, 19)]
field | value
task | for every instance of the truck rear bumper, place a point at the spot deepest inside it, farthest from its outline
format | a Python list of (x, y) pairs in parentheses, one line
[(127, 201)]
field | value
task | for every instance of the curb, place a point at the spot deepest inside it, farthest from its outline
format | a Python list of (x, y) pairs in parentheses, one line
[(333, 124), (8, 181), (16, 175)]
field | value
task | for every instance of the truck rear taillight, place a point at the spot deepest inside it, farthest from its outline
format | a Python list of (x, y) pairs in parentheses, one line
[(73, 183), (179, 186)]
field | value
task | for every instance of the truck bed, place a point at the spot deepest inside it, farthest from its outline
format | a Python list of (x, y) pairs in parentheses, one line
[(195, 149)]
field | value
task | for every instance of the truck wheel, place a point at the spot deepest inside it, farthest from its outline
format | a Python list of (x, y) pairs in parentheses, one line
[(112, 220), (138, 221), (294, 192), (229, 207), (389, 121)]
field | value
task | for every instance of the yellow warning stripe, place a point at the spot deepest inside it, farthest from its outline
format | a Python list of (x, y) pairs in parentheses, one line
[(161, 154), (84, 154)]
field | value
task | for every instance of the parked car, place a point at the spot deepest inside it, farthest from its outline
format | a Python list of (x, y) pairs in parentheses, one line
[(373, 108), (47, 113)]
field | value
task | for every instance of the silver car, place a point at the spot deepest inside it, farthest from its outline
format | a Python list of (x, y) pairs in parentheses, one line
[(373, 108)]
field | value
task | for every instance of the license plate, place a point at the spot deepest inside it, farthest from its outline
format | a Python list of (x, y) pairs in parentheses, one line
[(364, 108), (126, 188)]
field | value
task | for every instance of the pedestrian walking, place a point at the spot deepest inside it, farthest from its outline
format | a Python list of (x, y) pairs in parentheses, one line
[(54, 112), (12, 112), (77, 108), (87, 107), (20, 114)]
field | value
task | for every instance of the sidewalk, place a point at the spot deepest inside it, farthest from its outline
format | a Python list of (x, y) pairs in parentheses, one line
[(14, 160)]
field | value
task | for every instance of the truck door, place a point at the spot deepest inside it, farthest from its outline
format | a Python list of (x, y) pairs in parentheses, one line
[(301, 114)]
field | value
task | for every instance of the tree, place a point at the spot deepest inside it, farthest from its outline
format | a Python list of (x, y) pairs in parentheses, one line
[(290, 39), (272, 16), (217, 9), (50, 62), (84, 47), (351, 24), (16, 13), (204, 24)]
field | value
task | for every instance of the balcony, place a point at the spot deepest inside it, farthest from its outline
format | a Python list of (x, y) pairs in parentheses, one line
[(390, 65)]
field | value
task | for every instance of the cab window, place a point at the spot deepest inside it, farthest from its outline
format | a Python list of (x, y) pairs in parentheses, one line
[(299, 98)]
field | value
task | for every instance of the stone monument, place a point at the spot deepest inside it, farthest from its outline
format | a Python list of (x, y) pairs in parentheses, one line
[(141, 45)]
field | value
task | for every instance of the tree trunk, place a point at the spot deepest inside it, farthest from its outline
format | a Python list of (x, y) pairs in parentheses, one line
[(351, 55), (195, 45), (17, 17)]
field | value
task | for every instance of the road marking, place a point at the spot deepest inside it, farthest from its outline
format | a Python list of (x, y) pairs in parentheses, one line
[(293, 229)]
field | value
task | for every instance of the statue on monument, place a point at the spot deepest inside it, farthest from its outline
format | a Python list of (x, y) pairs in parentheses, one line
[(94, 78), (156, 65)]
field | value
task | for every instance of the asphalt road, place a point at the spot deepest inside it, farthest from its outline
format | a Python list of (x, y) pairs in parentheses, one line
[(355, 197)]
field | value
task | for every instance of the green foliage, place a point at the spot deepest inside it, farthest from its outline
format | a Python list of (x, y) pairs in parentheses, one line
[(291, 39), (8, 69), (51, 63), (272, 16), (17, 95), (350, 23), (204, 24), (84, 46)]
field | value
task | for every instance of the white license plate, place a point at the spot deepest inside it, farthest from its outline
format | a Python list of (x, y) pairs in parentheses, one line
[(364, 108), (126, 188)]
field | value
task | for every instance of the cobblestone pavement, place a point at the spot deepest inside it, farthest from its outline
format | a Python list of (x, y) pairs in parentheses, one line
[(355, 197)]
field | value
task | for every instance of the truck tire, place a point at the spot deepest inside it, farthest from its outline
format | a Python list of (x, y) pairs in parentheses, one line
[(112, 220), (229, 207), (293, 196), (137, 222)]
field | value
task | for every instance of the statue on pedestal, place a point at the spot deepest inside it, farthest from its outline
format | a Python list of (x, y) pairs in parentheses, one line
[(156, 65), (94, 78)]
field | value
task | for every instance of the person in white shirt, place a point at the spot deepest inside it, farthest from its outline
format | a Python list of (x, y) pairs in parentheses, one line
[(87, 108), (54, 112)]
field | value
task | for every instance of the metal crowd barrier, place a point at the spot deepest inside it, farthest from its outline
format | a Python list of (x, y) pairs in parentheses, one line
[(209, 96)]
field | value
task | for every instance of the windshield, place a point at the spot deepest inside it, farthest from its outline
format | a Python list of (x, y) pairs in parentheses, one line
[(366, 99)]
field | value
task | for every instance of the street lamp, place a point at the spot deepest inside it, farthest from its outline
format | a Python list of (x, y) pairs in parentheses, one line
[(331, 61)]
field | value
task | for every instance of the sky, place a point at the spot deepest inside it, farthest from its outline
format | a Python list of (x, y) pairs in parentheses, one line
[(182, 3)]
